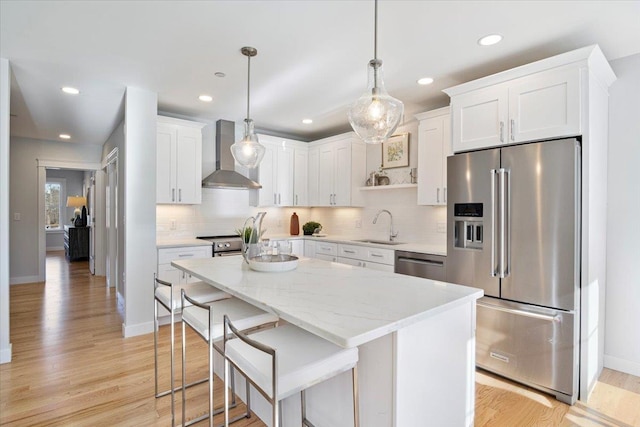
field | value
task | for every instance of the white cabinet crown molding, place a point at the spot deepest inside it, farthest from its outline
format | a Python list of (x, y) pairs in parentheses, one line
[(589, 55), (180, 122)]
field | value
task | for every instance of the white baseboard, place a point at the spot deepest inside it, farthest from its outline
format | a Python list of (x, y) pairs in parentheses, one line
[(55, 248), (137, 329), (5, 355), (25, 279), (617, 364)]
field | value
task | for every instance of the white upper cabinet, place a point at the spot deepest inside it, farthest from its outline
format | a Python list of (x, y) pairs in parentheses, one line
[(337, 167), (301, 176), (434, 146), (276, 173), (313, 176), (545, 105), (179, 161), (542, 105)]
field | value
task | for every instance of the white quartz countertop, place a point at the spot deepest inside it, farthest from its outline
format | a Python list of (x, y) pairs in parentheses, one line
[(181, 243), (346, 305), (424, 248)]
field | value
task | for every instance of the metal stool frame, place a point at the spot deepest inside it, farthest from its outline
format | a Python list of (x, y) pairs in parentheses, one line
[(276, 412), (212, 347)]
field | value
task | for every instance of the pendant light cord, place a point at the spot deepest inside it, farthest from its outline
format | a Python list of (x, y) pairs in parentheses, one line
[(375, 30), (248, 83)]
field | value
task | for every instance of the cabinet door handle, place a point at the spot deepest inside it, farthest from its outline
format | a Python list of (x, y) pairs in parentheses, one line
[(180, 194), (274, 199), (513, 126), (279, 199), (445, 194), (438, 195), (296, 200), (173, 194), (501, 131)]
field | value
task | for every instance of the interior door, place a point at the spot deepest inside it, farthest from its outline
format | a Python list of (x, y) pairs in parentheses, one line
[(543, 182)]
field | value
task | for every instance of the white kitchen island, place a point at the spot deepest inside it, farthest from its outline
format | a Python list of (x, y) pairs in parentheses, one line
[(416, 338)]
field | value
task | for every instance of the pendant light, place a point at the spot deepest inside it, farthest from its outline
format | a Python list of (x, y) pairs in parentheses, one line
[(376, 114), (248, 151)]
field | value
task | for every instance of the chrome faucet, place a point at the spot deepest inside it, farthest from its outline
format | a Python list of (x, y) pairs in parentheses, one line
[(392, 234)]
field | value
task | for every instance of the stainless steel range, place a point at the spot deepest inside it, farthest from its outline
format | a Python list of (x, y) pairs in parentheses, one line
[(224, 245)]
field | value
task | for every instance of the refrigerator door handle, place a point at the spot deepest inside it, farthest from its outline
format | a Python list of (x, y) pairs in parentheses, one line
[(506, 269), (546, 317), (494, 268), (503, 222)]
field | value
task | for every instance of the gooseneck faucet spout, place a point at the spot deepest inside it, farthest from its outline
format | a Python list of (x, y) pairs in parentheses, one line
[(392, 234)]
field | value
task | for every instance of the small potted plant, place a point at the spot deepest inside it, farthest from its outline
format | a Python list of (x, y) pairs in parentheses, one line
[(310, 227), (246, 233)]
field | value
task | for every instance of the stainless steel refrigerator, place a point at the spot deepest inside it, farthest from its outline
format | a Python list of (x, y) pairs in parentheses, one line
[(514, 231)]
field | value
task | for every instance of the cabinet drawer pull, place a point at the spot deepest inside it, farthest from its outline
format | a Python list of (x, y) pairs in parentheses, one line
[(377, 255), (348, 251), (185, 255)]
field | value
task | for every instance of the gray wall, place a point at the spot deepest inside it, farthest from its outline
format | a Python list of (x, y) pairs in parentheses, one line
[(622, 336), (24, 197)]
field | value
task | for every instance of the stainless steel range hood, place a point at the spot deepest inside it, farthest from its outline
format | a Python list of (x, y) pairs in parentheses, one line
[(225, 176)]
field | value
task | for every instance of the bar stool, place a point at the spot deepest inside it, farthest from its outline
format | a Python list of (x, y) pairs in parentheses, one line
[(208, 322), (168, 295), (283, 361)]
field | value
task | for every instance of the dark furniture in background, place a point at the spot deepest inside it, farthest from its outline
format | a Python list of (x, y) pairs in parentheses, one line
[(76, 242)]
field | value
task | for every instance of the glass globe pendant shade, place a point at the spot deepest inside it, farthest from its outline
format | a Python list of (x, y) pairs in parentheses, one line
[(376, 114), (248, 151)]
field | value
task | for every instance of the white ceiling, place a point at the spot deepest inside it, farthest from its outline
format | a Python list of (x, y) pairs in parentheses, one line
[(311, 62)]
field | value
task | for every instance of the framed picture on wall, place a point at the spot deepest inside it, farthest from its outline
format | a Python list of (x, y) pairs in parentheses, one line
[(395, 152)]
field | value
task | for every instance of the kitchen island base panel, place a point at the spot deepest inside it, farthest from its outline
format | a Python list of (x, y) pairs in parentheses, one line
[(415, 373)]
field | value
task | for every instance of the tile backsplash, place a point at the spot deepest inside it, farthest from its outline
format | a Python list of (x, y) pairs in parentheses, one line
[(223, 211)]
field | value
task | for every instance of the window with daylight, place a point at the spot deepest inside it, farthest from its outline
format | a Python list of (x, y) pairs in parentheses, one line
[(54, 202)]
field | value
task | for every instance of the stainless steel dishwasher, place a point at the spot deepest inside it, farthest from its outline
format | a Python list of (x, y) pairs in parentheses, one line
[(421, 265)]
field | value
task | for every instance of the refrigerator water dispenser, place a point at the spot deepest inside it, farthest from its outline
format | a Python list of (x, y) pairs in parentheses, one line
[(468, 226)]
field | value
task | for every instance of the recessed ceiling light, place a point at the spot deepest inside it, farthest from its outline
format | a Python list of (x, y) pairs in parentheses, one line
[(490, 39), (205, 98), (307, 121), (425, 81), (219, 74), (64, 136), (70, 90)]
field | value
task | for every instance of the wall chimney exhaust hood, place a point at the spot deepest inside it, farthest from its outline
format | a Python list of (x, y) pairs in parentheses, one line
[(225, 176)]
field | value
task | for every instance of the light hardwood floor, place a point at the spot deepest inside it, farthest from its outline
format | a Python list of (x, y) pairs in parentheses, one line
[(71, 366)]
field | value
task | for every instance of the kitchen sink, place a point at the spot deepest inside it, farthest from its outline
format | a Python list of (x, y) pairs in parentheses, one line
[(379, 242)]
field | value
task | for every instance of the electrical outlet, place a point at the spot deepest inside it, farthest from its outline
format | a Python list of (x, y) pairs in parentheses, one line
[(441, 227), (279, 223), (173, 225), (17, 216), (358, 223)]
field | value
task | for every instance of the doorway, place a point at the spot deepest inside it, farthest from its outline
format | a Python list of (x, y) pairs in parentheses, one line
[(55, 169)]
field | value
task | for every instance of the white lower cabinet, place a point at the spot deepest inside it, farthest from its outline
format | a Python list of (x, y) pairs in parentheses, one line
[(364, 256), (327, 251), (297, 246), (173, 275)]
